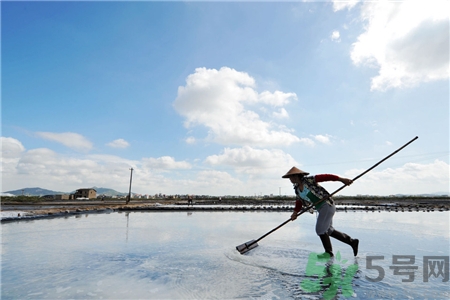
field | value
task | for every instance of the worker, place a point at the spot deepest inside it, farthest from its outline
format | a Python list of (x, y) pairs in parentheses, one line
[(309, 192)]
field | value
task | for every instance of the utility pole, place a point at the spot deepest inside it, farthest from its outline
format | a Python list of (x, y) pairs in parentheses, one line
[(129, 191)]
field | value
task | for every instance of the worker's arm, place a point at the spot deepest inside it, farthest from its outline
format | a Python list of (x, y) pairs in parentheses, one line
[(331, 177)]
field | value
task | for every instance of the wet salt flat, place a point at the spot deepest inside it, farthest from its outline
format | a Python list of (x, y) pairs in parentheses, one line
[(187, 255), (12, 214)]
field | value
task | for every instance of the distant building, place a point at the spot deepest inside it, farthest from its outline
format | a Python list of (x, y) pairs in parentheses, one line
[(62, 197), (85, 193)]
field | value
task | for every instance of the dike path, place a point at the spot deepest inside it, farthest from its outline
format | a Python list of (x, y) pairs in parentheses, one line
[(15, 211)]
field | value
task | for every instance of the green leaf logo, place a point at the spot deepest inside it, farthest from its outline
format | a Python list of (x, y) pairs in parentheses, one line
[(328, 276)]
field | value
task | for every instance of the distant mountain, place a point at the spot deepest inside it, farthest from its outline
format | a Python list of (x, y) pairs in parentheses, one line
[(436, 194), (34, 192), (41, 192), (108, 192)]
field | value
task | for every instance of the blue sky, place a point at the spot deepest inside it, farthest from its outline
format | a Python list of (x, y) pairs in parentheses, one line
[(224, 98)]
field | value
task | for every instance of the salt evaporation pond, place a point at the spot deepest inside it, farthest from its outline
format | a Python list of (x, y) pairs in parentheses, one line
[(187, 255)]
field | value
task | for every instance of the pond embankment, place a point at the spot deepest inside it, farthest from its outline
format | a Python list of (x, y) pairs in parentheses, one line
[(12, 211)]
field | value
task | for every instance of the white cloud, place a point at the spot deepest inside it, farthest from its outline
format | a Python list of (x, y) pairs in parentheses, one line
[(324, 139), (276, 99), (344, 4), (11, 148), (43, 161), (252, 161), (220, 180), (219, 100), (307, 142), (45, 168), (408, 41), (411, 178), (112, 160), (119, 143), (235, 171), (165, 163), (281, 114), (11, 152), (190, 140), (335, 36), (69, 139)]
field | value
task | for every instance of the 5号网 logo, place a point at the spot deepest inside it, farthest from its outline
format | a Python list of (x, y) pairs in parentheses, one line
[(330, 276), (433, 267)]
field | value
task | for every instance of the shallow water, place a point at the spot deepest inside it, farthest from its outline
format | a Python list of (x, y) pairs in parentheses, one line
[(182, 255)]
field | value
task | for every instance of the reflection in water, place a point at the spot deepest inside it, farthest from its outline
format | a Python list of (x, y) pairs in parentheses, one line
[(184, 256), (127, 215)]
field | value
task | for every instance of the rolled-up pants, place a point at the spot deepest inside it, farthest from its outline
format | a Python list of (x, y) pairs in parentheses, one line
[(325, 219)]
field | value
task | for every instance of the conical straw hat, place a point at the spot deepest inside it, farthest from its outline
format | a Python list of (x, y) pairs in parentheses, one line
[(294, 171)]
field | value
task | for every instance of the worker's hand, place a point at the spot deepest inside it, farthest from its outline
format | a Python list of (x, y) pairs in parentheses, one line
[(294, 216), (346, 181)]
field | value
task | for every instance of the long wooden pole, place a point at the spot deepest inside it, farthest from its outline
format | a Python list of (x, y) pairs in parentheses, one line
[(335, 192)]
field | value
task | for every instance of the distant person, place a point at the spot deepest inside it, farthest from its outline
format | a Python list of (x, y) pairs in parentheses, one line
[(309, 192), (190, 201)]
